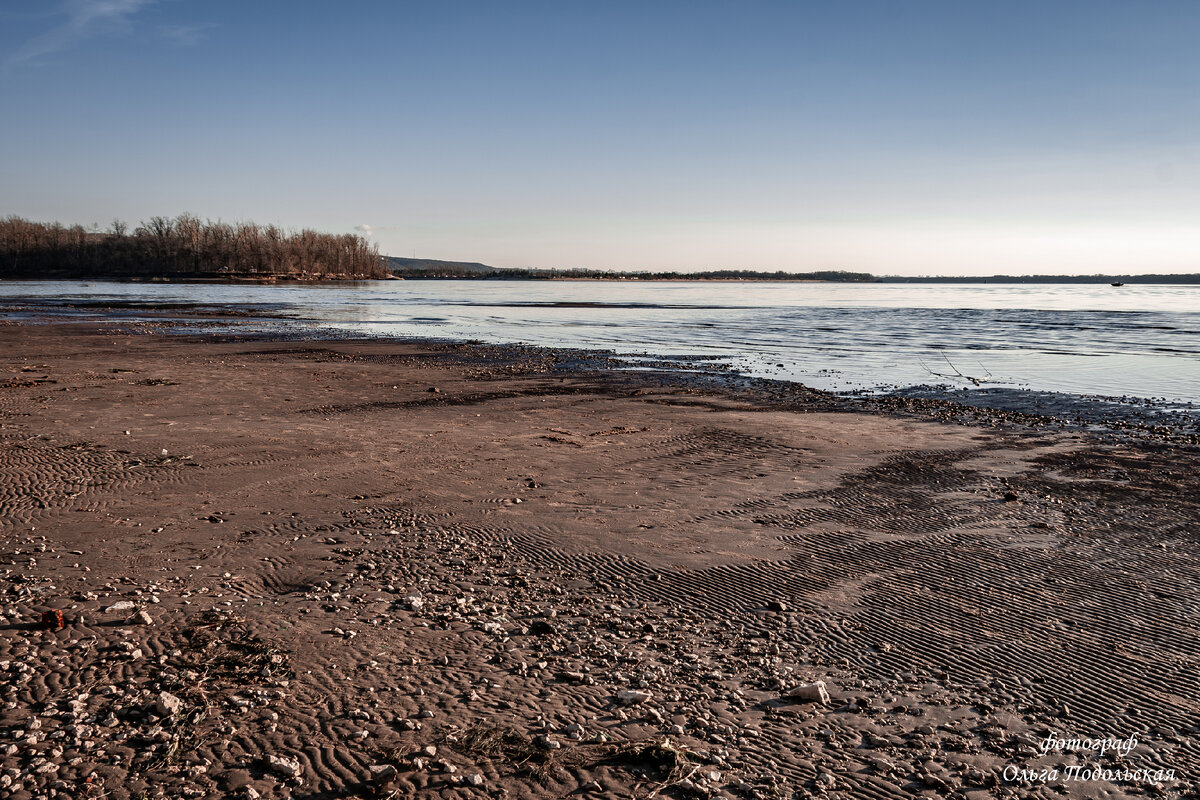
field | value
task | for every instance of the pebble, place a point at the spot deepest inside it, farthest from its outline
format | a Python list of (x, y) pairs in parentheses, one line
[(167, 704), (632, 697)]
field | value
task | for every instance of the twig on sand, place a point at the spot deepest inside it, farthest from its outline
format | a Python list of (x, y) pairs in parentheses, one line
[(673, 780)]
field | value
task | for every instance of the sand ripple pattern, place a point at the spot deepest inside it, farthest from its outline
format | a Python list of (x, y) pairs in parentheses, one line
[(918, 565), (38, 476)]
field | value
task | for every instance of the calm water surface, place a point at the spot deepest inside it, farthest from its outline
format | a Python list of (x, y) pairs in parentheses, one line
[(1141, 341)]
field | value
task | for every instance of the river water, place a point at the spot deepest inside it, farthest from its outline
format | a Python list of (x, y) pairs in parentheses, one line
[(1133, 341)]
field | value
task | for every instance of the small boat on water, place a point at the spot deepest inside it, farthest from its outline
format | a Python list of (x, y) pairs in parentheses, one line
[(1117, 283)]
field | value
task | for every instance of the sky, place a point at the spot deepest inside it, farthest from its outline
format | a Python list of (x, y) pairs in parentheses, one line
[(897, 137)]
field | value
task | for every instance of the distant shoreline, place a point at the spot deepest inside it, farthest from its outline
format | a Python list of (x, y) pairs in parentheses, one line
[(1182, 280), (427, 268), (1125, 280)]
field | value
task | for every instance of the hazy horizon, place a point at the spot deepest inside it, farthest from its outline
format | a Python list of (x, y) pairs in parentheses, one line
[(894, 137)]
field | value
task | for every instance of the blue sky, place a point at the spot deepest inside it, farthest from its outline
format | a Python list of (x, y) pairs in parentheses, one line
[(894, 137)]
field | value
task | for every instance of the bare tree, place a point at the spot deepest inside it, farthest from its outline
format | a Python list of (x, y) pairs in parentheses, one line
[(183, 246)]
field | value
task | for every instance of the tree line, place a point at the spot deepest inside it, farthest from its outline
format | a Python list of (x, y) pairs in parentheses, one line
[(455, 272), (183, 247)]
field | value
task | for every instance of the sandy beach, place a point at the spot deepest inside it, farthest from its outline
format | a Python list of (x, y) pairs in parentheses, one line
[(322, 569)]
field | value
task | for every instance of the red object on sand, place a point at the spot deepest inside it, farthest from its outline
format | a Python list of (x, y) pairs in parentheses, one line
[(52, 620)]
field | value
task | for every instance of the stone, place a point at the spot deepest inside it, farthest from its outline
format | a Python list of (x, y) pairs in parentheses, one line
[(287, 767), (167, 704), (633, 697), (121, 607), (143, 618), (810, 692), (382, 773)]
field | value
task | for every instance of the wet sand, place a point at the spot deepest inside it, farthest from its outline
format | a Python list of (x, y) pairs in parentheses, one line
[(326, 569)]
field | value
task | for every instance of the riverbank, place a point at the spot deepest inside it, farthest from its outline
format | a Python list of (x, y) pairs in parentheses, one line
[(314, 568)]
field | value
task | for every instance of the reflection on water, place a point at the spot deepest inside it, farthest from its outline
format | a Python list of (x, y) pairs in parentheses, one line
[(1134, 340)]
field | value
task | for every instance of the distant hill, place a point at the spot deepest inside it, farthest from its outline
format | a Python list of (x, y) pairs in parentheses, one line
[(430, 265)]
